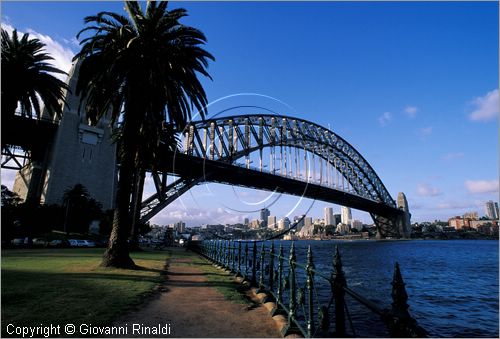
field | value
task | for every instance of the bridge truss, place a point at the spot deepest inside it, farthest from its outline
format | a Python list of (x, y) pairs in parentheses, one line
[(294, 151)]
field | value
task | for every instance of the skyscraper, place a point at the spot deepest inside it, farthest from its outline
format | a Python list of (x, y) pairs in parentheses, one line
[(271, 222), (283, 223), (328, 216), (264, 213), (337, 219), (491, 210), (346, 215), (300, 221)]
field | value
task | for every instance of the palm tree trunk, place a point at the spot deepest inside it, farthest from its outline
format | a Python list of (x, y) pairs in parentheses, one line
[(117, 253), (9, 105), (136, 208)]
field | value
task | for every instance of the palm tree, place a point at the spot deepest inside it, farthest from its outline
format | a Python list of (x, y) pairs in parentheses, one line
[(142, 70), (26, 78)]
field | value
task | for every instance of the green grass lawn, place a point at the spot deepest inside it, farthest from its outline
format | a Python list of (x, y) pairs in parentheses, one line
[(59, 286)]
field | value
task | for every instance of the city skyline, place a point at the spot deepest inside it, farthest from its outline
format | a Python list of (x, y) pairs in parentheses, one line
[(413, 86), (490, 213)]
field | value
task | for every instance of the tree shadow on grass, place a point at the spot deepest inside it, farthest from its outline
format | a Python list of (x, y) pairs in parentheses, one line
[(32, 298)]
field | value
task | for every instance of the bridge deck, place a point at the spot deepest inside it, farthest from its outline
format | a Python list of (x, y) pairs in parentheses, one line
[(226, 173), (27, 133)]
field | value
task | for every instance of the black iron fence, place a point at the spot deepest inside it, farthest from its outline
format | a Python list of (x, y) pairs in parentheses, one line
[(292, 287)]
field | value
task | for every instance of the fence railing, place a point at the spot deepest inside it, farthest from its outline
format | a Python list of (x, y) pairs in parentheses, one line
[(280, 278)]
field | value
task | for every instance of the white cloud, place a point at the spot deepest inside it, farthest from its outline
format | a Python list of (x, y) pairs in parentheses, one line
[(482, 186), (385, 118), (459, 206), (425, 190), (195, 216), (423, 133), (453, 156), (486, 107), (62, 55), (449, 205), (8, 28), (411, 111)]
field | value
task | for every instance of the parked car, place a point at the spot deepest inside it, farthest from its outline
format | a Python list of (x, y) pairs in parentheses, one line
[(76, 243), (17, 241), (89, 243), (40, 242), (58, 243), (81, 243)]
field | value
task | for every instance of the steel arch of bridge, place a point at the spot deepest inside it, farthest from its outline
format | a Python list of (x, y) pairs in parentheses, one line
[(225, 140)]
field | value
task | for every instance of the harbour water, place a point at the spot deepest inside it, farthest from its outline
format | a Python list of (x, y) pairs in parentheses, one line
[(452, 285)]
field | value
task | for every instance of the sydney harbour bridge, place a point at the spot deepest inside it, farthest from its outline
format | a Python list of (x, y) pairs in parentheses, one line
[(262, 151)]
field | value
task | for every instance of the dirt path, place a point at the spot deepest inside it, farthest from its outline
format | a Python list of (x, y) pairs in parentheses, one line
[(194, 309)]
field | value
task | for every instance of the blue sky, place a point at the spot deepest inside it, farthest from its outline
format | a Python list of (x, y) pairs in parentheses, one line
[(413, 86)]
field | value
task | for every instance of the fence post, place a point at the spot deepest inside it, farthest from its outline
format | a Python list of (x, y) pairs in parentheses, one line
[(246, 260), (400, 323), (278, 309), (216, 251), (270, 296), (261, 266), (238, 274), (213, 250), (222, 253), (254, 264), (271, 267), (310, 287), (226, 254), (338, 290), (291, 327), (233, 257)]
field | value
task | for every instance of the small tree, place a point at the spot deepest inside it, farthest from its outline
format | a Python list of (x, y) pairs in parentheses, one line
[(10, 212), (80, 209)]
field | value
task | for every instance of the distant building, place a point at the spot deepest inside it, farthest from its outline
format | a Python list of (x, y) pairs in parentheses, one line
[(271, 222), (308, 228), (346, 215), (328, 216), (476, 224), (458, 222), (213, 228), (255, 224), (180, 227), (246, 222), (264, 213), (342, 228), (358, 225), (319, 222), (492, 210), (300, 220), (283, 224), (471, 215), (337, 219)]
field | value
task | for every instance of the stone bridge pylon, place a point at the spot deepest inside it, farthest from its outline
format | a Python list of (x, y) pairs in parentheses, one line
[(77, 154)]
